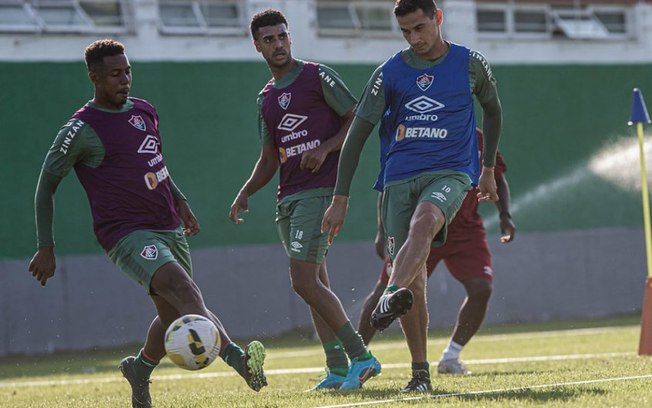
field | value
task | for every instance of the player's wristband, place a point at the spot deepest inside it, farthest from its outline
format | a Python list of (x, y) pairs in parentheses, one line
[(505, 214)]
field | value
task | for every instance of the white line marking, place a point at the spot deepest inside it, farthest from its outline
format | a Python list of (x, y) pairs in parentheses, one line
[(482, 392), (477, 339), (307, 370)]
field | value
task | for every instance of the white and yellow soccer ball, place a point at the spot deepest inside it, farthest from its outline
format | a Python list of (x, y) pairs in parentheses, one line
[(192, 342)]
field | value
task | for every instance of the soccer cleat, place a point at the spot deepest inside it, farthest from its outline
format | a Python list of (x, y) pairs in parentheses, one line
[(391, 306), (359, 372), (254, 357), (452, 366), (420, 382), (330, 382), (140, 397)]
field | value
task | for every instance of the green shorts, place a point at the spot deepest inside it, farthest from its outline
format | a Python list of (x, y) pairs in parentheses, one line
[(446, 189), (141, 253), (298, 222)]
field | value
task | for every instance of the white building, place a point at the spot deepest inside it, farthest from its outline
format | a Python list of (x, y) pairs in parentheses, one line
[(362, 31)]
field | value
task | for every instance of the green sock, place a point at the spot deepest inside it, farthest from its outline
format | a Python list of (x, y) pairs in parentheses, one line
[(424, 366), (391, 289), (352, 342), (143, 366), (336, 360), (232, 355)]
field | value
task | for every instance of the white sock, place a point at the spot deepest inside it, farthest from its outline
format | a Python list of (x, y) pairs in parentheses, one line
[(452, 351)]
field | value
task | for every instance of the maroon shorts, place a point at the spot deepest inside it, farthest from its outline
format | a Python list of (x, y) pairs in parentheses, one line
[(465, 258)]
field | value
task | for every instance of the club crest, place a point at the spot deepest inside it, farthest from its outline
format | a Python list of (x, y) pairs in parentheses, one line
[(138, 122), (390, 245), (424, 81), (150, 252), (284, 100)]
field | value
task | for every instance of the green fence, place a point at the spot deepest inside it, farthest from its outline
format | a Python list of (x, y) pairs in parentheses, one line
[(556, 118)]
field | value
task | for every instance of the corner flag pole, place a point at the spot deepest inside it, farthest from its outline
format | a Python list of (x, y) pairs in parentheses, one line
[(639, 116)]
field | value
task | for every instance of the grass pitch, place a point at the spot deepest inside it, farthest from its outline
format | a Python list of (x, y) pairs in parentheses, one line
[(587, 364)]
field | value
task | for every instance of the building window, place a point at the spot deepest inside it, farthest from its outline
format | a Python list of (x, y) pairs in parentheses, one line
[(64, 16), (202, 17), (492, 20), (355, 18), (510, 20), (17, 17), (615, 21), (531, 21)]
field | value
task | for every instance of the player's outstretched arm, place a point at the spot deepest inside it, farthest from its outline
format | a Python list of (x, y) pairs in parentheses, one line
[(263, 172)]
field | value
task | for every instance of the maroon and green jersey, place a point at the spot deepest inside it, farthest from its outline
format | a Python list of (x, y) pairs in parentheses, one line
[(129, 190), (299, 113)]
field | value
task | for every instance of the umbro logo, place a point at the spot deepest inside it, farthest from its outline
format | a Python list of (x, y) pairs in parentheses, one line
[(291, 121), (149, 145), (438, 196), (423, 104), (295, 246)]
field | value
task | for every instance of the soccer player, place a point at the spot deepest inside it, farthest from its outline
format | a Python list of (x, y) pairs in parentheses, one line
[(304, 113), (468, 259), (140, 217), (423, 98)]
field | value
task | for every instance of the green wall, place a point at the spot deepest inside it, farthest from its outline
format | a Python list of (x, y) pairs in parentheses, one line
[(555, 119)]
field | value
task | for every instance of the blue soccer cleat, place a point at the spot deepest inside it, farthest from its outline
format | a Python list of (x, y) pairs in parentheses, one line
[(359, 372), (330, 382)]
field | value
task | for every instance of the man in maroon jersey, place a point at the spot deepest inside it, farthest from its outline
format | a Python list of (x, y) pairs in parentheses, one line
[(467, 258), (140, 217), (305, 111)]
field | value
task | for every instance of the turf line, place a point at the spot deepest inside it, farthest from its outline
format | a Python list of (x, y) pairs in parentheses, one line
[(307, 370)]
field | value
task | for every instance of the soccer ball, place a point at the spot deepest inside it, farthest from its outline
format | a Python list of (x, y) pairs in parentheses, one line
[(192, 342)]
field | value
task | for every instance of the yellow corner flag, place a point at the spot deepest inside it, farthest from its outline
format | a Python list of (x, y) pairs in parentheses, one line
[(639, 116)]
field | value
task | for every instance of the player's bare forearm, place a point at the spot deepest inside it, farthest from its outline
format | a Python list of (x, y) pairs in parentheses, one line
[(507, 226), (263, 172), (43, 264), (502, 189), (491, 126), (190, 223), (487, 185), (334, 216)]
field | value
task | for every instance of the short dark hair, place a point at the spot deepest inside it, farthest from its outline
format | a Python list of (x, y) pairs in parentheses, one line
[(94, 54), (266, 18), (403, 7)]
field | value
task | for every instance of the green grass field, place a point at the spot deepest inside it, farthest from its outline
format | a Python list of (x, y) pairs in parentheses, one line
[(586, 364)]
